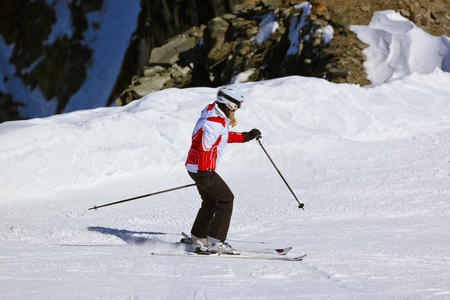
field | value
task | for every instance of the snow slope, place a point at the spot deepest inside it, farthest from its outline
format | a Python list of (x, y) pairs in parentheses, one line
[(83, 148), (398, 48), (371, 164)]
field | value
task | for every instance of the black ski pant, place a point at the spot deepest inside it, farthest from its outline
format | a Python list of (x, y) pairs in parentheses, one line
[(213, 217)]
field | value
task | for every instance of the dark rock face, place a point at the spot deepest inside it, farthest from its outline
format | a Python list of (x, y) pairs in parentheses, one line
[(27, 25), (431, 15), (64, 59), (228, 45), (214, 54), (28, 37), (57, 69), (171, 64), (8, 108), (159, 21)]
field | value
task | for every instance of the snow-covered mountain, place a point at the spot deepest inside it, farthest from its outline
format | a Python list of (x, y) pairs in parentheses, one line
[(90, 42), (63, 55), (371, 164)]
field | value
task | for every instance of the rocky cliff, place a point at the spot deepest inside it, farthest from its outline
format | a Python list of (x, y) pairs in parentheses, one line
[(42, 64), (159, 21), (184, 43), (268, 39), (47, 48)]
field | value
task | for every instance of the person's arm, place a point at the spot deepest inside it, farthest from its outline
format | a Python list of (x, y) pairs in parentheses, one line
[(242, 137), (236, 137)]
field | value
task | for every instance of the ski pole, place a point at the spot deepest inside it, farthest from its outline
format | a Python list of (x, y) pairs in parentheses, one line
[(300, 205), (147, 195)]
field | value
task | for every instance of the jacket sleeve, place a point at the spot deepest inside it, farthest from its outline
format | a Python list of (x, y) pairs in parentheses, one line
[(212, 135), (235, 137)]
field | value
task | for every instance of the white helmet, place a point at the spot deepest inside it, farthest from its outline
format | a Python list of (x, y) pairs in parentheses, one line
[(231, 96)]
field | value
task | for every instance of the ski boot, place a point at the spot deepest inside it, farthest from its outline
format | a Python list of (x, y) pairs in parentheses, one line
[(194, 240), (217, 246)]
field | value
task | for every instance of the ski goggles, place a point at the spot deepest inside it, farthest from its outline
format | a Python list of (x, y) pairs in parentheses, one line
[(233, 103)]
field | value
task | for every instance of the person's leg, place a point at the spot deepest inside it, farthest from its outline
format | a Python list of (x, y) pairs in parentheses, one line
[(205, 214), (223, 210), (213, 218)]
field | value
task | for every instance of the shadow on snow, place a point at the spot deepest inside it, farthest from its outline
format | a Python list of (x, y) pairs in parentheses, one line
[(131, 237)]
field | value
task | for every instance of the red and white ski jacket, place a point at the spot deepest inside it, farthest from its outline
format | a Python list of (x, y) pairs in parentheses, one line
[(209, 138)]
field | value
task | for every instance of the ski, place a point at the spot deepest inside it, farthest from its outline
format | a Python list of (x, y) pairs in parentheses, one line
[(278, 251), (221, 255)]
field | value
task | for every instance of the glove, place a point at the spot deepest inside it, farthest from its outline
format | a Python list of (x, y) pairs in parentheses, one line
[(252, 134)]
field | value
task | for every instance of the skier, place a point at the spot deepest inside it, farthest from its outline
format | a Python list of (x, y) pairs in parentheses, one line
[(209, 138)]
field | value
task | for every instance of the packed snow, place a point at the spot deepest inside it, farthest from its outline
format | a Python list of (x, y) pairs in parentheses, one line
[(371, 164), (109, 142), (398, 48)]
